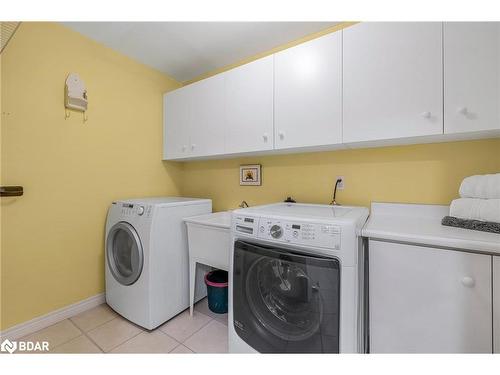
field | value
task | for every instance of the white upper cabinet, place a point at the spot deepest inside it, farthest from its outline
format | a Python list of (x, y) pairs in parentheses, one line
[(308, 94), (392, 81), (194, 120), (207, 117), (249, 107), (496, 304), (370, 84), (471, 76), (176, 127)]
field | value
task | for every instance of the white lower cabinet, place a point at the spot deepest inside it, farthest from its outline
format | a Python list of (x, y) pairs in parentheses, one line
[(496, 304), (427, 300)]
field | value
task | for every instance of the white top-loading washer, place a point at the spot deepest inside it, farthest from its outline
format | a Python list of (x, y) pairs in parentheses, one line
[(295, 280), (146, 257)]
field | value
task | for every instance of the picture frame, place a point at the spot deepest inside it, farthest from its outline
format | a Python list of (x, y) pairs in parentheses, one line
[(251, 175)]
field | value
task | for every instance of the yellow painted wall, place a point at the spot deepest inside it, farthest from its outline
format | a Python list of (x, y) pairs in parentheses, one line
[(52, 237), (418, 174)]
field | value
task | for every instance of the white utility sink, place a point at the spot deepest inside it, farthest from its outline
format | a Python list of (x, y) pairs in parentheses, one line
[(215, 219), (209, 243)]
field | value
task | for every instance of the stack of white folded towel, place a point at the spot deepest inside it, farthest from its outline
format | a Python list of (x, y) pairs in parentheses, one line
[(479, 199)]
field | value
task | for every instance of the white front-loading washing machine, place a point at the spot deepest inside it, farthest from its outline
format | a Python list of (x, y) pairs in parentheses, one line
[(295, 280), (146, 258)]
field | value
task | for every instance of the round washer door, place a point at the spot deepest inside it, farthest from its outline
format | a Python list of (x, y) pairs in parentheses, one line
[(124, 252)]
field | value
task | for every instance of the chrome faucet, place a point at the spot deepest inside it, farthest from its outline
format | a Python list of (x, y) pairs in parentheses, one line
[(243, 204)]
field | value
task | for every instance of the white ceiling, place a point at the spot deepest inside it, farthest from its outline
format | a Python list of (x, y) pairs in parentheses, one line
[(186, 50)]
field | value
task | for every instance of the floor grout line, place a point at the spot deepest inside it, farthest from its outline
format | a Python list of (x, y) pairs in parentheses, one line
[(175, 347), (70, 319), (193, 352), (204, 325), (83, 334), (99, 325), (92, 341), (141, 330), (65, 342), (166, 334), (114, 347), (184, 342), (192, 349)]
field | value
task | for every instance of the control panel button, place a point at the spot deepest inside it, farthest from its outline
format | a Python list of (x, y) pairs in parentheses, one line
[(276, 231), (262, 229), (140, 210)]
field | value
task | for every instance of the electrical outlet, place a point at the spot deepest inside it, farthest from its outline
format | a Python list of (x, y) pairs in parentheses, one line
[(340, 186)]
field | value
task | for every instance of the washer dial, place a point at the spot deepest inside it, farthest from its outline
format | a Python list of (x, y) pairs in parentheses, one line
[(276, 231)]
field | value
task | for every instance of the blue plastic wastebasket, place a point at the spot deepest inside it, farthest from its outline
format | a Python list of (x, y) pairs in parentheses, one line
[(216, 282)]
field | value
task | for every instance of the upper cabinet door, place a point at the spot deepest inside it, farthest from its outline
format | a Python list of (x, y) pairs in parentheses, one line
[(392, 80), (249, 107), (308, 93), (207, 109), (471, 76), (176, 123)]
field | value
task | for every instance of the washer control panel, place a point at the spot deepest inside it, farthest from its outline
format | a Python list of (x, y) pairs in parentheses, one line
[(300, 233), (246, 225), (129, 209)]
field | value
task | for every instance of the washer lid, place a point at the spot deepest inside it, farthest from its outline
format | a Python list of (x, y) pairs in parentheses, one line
[(124, 253), (307, 211)]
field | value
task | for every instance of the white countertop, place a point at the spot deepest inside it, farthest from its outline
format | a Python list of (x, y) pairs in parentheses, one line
[(215, 219), (421, 224)]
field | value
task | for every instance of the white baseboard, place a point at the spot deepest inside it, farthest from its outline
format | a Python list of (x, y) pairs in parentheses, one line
[(51, 318)]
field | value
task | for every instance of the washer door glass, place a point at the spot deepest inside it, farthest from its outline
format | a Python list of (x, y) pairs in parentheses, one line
[(283, 298), (285, 301), (124, 253)]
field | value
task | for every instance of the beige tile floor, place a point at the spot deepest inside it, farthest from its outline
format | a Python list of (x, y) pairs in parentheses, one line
[(101, 330)]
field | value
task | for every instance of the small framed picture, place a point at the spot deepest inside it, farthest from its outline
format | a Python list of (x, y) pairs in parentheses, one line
[(251, 175)]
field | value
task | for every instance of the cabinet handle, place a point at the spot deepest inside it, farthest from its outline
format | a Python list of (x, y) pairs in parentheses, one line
[(265, 137), (426, 115), (468, 281), (281, 135), (193, 146), (463, 111)]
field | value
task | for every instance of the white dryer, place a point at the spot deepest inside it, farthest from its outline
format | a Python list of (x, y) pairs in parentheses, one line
[(146, 256), (295, 279)]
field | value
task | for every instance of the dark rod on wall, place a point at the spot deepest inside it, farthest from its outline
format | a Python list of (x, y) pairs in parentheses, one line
[(11, 191)]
